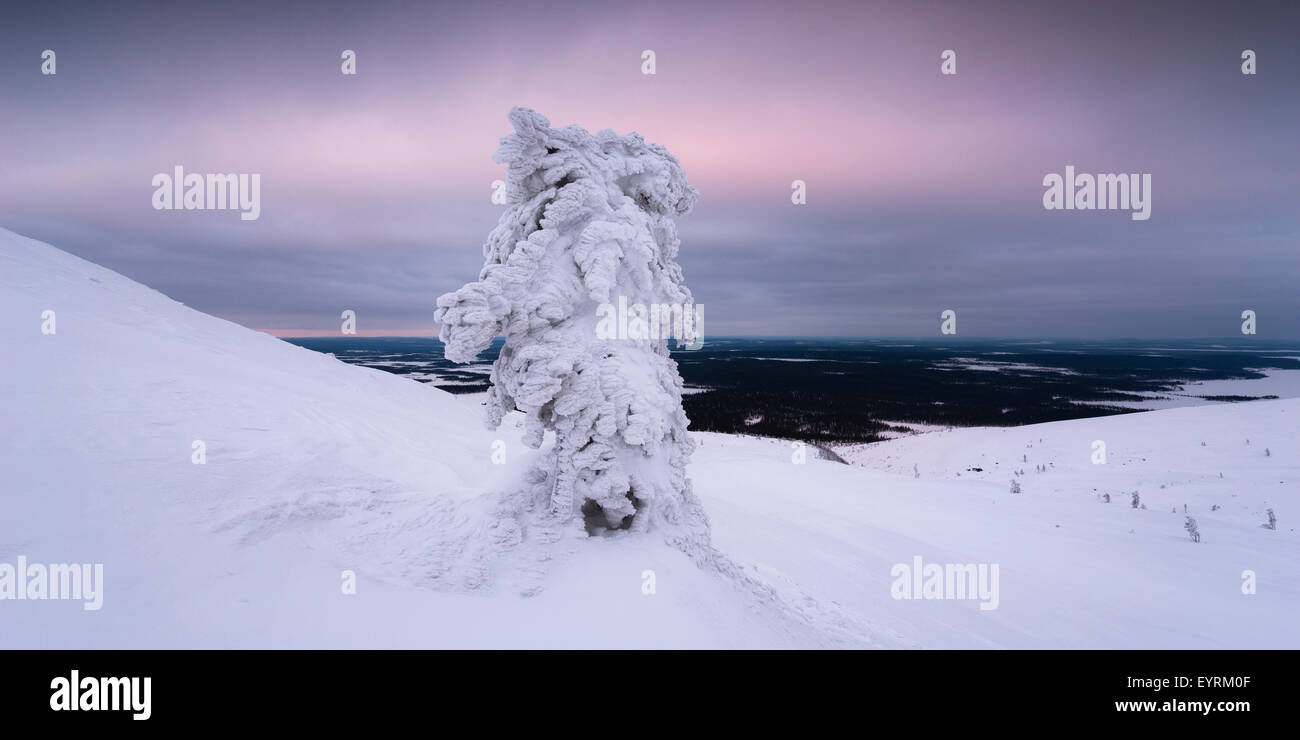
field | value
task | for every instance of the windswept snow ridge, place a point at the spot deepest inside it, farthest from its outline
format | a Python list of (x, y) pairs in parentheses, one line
[(312, 471)]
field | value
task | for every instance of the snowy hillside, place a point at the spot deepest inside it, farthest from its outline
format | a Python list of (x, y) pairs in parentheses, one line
[(314, 467)]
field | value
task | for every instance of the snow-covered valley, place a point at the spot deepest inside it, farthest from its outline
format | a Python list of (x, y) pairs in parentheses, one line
[(310, 468)]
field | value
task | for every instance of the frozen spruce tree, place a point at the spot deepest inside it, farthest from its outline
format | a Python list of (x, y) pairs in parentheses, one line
[(589, 224), (1192, 531), (1272, 520)]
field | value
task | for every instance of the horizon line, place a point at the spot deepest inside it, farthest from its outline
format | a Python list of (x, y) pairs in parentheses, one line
[(412, 334)]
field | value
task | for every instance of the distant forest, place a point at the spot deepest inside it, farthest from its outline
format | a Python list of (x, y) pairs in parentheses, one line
[(853, 395), (843, 391)]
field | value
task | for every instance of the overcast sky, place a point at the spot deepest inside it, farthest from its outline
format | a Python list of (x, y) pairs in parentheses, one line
[(924, 190)]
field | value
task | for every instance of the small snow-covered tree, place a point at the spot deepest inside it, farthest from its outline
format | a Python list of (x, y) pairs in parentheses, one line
[(1137, 500), (1192, 531), (588, 223)]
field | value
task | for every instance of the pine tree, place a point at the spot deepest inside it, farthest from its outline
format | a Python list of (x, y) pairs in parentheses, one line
[(588, 224), (1192, 531)]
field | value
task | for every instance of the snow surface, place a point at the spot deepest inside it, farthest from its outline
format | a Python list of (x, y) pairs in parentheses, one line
[(315, 466)]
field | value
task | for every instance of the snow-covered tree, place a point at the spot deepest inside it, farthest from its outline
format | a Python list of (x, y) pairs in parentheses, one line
[(1192, 531), (1137, 500), (588, 222)]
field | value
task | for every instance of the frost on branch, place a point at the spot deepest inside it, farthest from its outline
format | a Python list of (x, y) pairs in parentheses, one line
[(589, 220)]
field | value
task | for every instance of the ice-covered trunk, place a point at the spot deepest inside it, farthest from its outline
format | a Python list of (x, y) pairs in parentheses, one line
[(588, 229)]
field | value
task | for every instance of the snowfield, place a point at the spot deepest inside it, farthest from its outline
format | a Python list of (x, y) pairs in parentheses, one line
[(314, 467)]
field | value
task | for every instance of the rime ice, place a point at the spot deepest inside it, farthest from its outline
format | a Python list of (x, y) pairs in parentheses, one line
[(588, 221)]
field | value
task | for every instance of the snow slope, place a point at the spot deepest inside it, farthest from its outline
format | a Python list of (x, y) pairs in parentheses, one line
[(314, 467)]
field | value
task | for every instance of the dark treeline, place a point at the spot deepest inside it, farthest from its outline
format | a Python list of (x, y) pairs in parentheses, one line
[(851, 391), (854, 390)]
